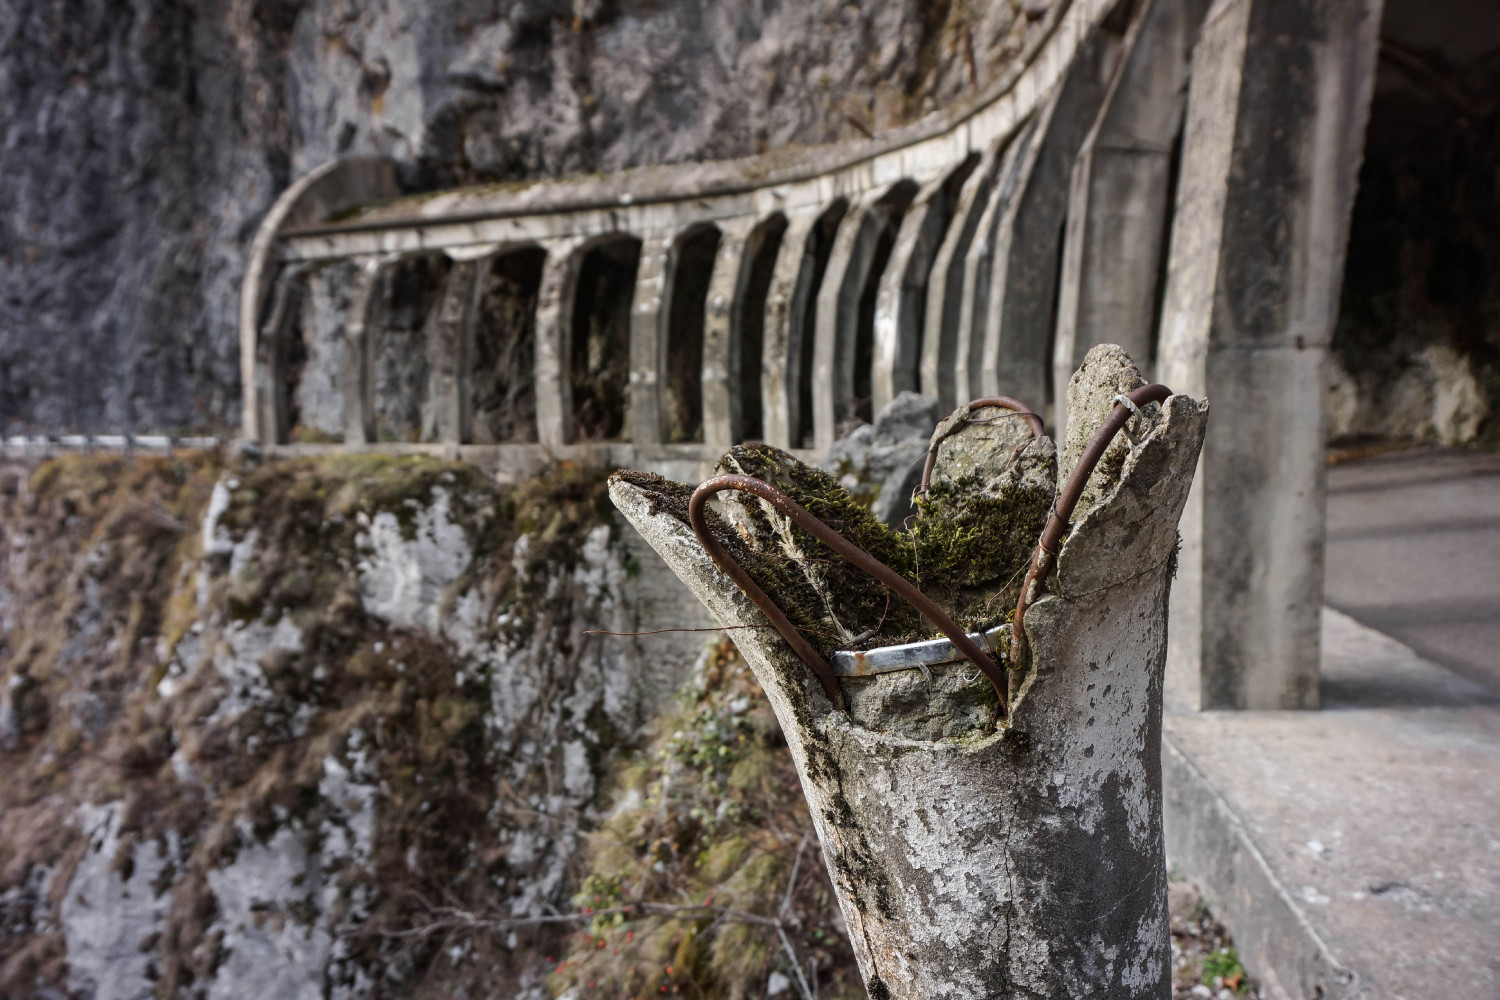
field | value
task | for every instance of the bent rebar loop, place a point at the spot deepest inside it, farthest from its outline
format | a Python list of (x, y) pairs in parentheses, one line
[(888, 577), (1002, 402), (1045, 556)]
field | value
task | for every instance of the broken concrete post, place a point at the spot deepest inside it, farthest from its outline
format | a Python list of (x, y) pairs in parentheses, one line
[(975, 853)]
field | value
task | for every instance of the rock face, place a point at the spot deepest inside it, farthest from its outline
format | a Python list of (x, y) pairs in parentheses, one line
[(883, 461), (142, 144), (257, 723)]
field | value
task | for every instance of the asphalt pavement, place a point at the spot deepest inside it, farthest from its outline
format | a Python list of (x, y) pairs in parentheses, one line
[(1414, 552)]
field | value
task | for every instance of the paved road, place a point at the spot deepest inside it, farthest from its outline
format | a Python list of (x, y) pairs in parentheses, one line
[(1414, 552)]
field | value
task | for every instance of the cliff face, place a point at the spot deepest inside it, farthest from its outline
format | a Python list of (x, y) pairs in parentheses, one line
[(144, 141), (260, 726)]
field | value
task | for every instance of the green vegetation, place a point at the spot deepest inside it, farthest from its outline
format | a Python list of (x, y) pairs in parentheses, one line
[(710, 814), (1224, 966)]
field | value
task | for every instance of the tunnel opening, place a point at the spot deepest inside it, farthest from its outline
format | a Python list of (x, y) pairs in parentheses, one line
[(599, 354), (748, 324), (692, 268), (1416, 351), (880, 227), (503, 383), (802, 346), (403, 315)]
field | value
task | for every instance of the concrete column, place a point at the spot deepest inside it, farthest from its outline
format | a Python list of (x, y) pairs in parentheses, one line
[(901, 302), (554, 322), (945, 284), (721, 409), (781, 362), (359, 414), (1117, 205), (450, 352), (647, 317), (272, 404), (1271, 148), (1017, 321), (979, 269), (838, 306)]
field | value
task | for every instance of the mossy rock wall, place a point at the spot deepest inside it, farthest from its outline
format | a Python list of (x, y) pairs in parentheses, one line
[(261, 724)]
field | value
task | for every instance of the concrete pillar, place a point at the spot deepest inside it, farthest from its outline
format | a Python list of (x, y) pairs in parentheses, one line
[(647, 319), (554, 321), (979, 269), (272, 405), (721, 360), (945, 284), (785, 302), (901, 302), (359, 416), (1117, 205), (1017, 322), (1271, 148), (838, 306), (450, 350)]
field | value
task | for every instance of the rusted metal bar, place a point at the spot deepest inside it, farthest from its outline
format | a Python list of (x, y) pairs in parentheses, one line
[(888, 577), (1001, 402), (1062, 510)]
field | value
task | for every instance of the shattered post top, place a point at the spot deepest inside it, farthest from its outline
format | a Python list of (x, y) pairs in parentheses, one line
[(990, 481)]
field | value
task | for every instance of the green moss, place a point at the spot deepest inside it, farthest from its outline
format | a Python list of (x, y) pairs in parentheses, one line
[(972, 546), (968, 551)]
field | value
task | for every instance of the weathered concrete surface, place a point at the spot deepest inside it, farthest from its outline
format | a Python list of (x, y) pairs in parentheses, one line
[(1354, 850), (1275, 123), (1017, 324), (1118, 203), (1414, 551), (721, 357), (978, 866), (945, 287)]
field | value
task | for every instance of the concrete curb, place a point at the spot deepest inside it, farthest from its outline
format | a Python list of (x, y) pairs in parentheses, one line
[(1209, 844)]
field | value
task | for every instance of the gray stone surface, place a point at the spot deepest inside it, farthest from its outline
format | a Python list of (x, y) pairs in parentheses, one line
[(886, 457), (143, 143), (1354, 850), (1414, 551)]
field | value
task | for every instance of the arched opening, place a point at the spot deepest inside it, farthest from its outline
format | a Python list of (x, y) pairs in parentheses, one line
[(502, 384), (692, 267), (805, 317), (599, 348), (878, 236), (748, 323), (403, 311)]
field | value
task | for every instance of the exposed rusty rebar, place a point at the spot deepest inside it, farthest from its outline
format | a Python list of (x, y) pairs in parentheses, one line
[(888, 577), (1062, 510), (1002, 402)]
